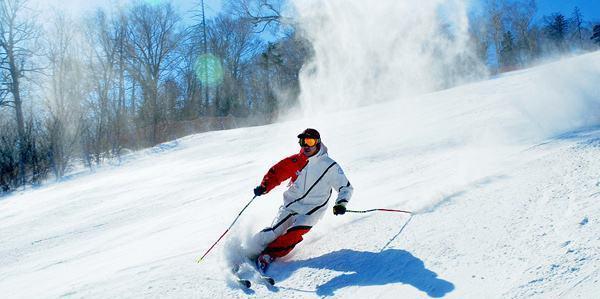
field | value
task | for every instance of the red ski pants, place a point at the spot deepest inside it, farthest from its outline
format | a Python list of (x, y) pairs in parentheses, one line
[(286, 242), (286, 232)]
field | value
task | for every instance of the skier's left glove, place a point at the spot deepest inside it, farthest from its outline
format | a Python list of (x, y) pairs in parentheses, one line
[(339, 209)]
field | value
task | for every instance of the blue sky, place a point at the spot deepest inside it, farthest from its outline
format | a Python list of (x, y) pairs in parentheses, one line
[(80, 7), (589, 8)]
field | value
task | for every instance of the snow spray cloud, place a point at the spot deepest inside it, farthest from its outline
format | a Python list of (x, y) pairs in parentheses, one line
[(561, 96), (373, 51)]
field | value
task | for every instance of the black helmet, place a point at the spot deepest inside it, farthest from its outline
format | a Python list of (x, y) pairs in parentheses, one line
[(310, 133)]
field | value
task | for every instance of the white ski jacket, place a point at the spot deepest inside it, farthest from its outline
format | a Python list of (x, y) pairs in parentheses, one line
[(312, 189)]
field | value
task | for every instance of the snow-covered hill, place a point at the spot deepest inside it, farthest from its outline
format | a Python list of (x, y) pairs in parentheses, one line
[(503, 176)]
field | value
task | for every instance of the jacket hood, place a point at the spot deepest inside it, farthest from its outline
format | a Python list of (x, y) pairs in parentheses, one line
[(322, 152)]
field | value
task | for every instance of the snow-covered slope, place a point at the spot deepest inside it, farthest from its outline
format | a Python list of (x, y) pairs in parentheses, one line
[(504, 177)]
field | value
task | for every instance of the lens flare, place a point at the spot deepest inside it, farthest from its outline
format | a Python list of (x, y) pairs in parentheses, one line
[(209, 69)]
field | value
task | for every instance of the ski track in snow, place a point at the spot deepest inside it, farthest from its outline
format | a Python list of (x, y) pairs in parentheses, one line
[(500, 213)]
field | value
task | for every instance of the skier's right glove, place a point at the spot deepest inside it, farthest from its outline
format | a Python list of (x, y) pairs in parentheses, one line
[(260, 190), (339, 209)]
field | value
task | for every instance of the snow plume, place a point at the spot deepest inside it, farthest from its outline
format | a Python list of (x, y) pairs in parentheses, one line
[(239, 246), (372, 51), (233, 253), (562, 96)]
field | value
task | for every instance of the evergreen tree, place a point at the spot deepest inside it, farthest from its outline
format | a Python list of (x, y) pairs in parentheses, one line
[(596, 35), (507, 51), (556, 30)]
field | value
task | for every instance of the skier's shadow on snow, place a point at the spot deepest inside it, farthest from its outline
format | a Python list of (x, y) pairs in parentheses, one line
[(370, 268)]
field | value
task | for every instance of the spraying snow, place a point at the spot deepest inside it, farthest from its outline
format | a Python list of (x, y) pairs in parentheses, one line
[(367, 52)]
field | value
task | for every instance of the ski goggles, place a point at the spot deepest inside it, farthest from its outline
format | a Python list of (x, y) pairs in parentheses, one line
[(308, 141)]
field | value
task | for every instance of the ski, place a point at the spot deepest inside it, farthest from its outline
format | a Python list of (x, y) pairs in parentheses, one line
[(267, 279), (246, 273), (242, 282), (263, 276), (247, 283)]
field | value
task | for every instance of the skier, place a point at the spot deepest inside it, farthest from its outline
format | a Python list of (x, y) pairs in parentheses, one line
[(313, 175)]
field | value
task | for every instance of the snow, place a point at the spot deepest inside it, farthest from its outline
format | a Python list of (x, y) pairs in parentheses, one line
[(503, 176)]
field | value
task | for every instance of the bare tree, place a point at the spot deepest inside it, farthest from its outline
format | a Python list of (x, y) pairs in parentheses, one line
[(191, 86), (577, 25), (18, 35), (9, 155), (260, 13), (120, 29), (107, 36), (130, 74), (67, 90), (4, 79), (234, 42), (521, 15), (496, 15), (195, 65), (479, 36), (282, 61), (171, 95), (153, 36)]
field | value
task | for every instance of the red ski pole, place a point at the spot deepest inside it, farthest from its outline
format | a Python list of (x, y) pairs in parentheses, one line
[(227, 230), (382, 210)]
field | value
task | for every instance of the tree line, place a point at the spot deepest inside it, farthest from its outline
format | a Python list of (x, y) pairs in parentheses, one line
[(84, 91), (509, 35)]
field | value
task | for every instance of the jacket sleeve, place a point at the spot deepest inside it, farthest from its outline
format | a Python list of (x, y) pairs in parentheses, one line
[(342, 185), (282, 171)]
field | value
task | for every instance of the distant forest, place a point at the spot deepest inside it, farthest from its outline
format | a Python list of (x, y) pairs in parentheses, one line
[(85, 91)]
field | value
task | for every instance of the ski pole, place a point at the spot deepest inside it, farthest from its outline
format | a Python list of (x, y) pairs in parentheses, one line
[(221, 237), (382, 210)]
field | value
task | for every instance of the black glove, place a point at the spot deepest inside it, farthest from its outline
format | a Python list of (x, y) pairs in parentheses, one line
[(260, 190), (339, 210)]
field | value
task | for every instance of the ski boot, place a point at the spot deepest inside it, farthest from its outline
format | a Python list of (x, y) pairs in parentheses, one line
[(262, 262)]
